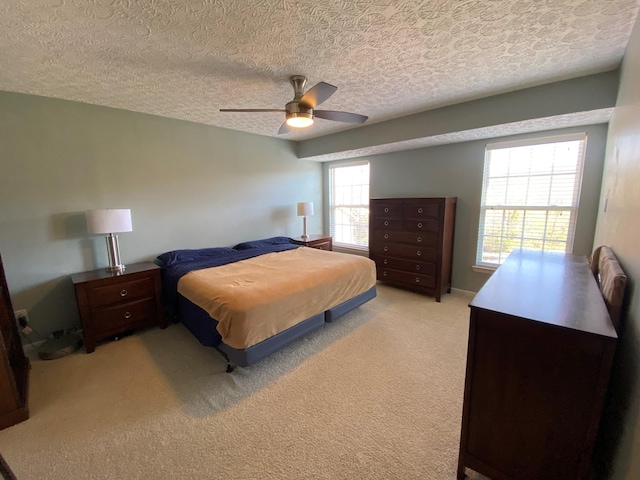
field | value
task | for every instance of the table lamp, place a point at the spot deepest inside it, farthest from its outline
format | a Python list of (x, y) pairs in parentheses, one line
[(305, 209), (110, 221)]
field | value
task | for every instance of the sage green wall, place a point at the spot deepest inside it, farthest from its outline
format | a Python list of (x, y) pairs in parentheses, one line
[(187, 185), (618, 226), (456, 170)]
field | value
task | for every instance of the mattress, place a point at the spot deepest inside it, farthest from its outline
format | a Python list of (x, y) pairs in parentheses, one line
[(257, 298)]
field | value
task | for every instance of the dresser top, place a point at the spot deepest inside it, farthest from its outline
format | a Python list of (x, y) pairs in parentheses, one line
[(103, 273), (553, 288)]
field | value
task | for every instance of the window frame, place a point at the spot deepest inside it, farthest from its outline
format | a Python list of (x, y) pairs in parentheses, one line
[(484, 266), (331, 207)]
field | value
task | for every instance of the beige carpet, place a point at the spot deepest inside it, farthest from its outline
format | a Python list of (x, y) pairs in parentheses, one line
[(374, 395)]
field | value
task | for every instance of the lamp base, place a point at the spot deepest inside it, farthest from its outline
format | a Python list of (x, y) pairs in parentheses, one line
[(115, 268)]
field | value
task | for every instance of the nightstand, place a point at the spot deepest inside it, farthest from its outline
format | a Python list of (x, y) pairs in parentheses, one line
[(115, 302), (321, 242)]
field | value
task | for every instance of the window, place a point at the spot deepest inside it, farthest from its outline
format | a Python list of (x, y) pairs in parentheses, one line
[(349, 204), (530, 196)]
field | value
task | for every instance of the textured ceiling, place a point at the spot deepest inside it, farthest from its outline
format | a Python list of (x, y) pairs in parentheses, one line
[(388, 58)]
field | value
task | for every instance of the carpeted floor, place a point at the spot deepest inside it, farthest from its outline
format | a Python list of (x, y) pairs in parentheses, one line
[(374, 395)]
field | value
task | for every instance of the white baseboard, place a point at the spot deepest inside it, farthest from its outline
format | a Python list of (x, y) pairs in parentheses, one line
[(459, 290)]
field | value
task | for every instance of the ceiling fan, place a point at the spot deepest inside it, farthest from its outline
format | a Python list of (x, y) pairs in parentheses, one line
[(301, 111)]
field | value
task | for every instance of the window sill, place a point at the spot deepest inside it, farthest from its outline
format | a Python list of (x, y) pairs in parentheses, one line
[(484, 269), (364, 252)]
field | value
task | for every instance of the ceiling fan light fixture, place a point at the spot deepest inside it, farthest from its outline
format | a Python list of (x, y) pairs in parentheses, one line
[(299, 119)]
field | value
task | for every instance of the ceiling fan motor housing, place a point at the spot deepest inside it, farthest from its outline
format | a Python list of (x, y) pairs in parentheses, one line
[(295, 110)]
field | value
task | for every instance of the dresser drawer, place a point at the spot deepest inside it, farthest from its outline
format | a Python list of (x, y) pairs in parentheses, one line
[(426, 238), (423, 253), (386, 210), (386, 223), (422, 225), (387, 274), (412, 266), (421, 210), (127, 315), (121, 292)]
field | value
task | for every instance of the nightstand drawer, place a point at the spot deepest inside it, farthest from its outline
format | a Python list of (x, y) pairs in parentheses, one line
[(121, 292), (326, 245), (128, 315)]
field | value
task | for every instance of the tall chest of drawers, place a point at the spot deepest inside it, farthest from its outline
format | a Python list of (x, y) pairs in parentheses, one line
[(411, 241)]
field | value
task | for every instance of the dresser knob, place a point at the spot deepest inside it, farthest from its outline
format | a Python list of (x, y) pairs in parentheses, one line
[(386, 223), (419, 239), (127, 315), (384, 274), (419, 210), (418, 253), (386, 210), (386, 249), (417, 267), (419, 225), (123, 293), (386, 235), (417, 280), (385, 261)]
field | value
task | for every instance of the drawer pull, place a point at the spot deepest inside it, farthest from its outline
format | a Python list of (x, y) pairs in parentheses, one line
[(418, 253), (385, 261), (127, 314), (386, 249), (384, 273), (386, 223), (123, 293), (417, 267), (419, 239), (419, 210), (386, 210), (386, 235), (419, 225), (417, 280)]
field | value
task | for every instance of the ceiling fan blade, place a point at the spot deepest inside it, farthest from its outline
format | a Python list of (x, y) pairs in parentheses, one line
[(252, 110), (340, 116), (284, 129), (317, 94)]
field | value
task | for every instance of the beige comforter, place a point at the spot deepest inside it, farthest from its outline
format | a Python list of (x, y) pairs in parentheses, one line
[(257, 298)]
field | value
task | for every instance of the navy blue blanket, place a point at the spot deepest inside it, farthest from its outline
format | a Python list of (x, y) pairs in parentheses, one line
[(178, 263)]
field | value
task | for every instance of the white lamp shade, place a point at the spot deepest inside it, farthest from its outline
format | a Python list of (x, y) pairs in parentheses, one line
[(111, 220), (305, 209)]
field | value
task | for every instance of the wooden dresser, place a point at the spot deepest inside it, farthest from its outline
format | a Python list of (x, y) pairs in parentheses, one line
[(541, 345), (14, 366), (411, 241), (111, 303)]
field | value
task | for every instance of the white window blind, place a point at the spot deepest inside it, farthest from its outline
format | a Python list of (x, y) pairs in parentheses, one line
[(349, 204), (530, 196)]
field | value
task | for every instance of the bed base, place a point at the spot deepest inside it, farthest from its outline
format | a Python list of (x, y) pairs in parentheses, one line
[(345, 307), (248, 356)]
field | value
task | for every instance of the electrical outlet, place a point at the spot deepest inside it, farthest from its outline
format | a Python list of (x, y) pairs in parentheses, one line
[(22, 317)]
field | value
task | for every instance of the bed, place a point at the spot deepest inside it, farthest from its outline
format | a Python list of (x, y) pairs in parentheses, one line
[(253, 299)]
